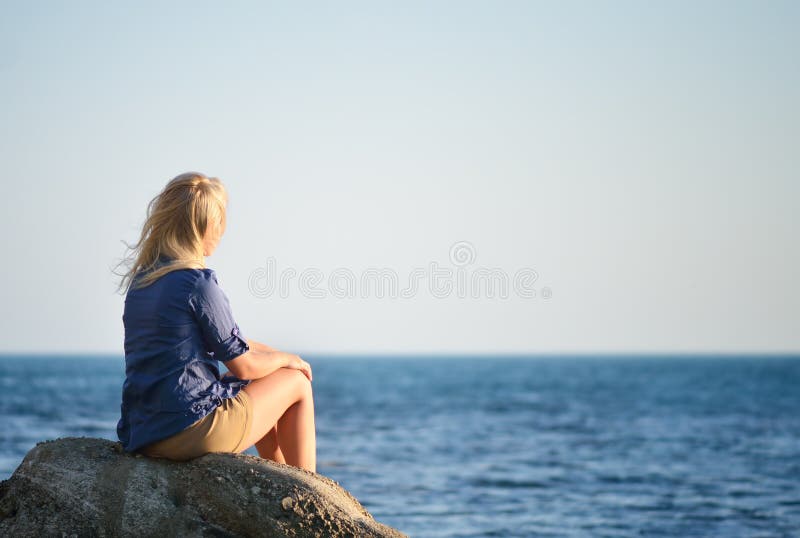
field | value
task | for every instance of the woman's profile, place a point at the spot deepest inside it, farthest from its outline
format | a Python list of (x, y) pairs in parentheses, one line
[(179, 326)]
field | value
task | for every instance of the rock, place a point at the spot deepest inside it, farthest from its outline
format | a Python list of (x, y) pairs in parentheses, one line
[(79, 486)]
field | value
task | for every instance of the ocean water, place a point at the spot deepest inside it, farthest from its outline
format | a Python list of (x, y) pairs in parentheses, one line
[(514, 446)]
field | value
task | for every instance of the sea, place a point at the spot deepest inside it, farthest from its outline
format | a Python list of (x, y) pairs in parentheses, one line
[(507, 446)]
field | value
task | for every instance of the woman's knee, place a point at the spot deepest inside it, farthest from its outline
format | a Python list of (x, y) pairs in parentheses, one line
[(287, 381), (272, 395), (304, 384)]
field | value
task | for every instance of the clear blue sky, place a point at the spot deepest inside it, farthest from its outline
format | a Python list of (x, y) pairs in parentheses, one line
[(641, 157)]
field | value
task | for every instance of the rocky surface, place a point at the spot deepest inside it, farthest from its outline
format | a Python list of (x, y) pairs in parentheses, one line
[(90, 487)]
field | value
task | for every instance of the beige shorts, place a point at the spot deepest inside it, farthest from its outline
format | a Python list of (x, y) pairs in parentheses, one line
[(225, 429)]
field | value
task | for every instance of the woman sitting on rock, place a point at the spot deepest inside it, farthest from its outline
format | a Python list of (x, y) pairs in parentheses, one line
[(178, 325)]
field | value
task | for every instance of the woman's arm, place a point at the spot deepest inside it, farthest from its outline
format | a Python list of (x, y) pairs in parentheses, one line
[(258, 346), (262, 360), (252, 344), (255, 364)]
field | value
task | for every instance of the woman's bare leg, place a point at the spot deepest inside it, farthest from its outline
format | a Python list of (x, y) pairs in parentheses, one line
[(284, 400), (269, 448), (297, 433)]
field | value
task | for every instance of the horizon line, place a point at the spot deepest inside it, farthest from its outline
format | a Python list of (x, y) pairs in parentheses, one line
[(453, 354)]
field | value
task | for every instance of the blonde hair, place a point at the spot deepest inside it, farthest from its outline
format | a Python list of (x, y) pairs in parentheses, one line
[(176, 222)]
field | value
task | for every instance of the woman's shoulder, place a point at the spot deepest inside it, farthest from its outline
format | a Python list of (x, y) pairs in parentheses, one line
[(206, 273), (174, 279), (204, 278), (189, 274)]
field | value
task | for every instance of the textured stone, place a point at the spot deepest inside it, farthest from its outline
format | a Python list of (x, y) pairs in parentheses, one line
[(90, 487)]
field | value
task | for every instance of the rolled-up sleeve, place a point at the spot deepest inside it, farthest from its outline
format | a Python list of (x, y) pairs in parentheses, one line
[(212, 310)]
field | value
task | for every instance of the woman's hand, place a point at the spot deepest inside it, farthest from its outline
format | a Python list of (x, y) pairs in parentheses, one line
[(296, 363)]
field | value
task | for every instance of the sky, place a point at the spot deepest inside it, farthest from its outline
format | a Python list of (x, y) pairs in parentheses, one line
[(423, 177)]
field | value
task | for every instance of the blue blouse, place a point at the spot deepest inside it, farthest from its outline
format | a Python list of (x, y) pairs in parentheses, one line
[(176, 329)]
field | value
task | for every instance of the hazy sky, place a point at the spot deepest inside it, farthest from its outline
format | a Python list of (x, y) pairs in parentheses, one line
[(640, 160)]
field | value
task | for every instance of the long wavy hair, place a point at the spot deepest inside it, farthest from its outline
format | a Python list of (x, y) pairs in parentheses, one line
[(173, 231)]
